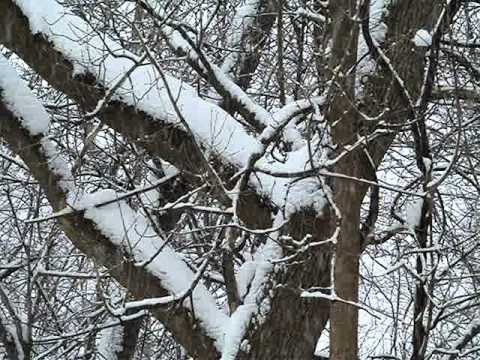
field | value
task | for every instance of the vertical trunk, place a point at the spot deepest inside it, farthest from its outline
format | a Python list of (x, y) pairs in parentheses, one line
[(344, 317), (131, 332), (348, 195)]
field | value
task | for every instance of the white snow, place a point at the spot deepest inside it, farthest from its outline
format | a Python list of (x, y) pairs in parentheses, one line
[(422, 38), (214, 128), (18, 98), (261, 115), (151, 197), (427, 163), (242, 20), (256, 301), (235, 330), (117, 221), (110, 342), (414, 212), (33, 117), (378, 28), (290, 195), (310, 14), (57, 164), (244, 277), (365, 64)]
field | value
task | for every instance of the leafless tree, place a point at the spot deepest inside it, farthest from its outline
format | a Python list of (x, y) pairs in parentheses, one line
[(242, 179)]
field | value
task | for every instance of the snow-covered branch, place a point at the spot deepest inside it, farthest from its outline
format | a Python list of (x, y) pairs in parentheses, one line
[(97, 231)]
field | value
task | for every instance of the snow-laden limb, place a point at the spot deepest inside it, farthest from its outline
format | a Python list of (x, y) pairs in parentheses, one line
[(242, 21), (226, 87), (422, 38), (377, 29), (312, 15), (334, 297), (114, 225), (17, 97), (107, 61), (272, 125), (226, 141), (67, 274), (263, 269), (414, 213), (131, 231), (244, 277), (119, 196), (251, 24), (117, 341), (295, 193), (255, 277), (236, 329), (295, 108)]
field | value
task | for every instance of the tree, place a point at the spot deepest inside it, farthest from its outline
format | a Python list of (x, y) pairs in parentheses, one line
[(230, 171)]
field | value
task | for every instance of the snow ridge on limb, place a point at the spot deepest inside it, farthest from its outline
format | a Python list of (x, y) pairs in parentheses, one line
[(147, 249), (256, 303), (17, 97), (156, 135), (99, 57), (221, 82)]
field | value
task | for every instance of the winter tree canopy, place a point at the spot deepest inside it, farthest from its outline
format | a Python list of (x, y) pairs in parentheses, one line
[(239, 179)]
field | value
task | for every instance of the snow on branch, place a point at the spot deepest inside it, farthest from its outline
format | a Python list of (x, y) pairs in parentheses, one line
[(118, 341), (130, 230), (107, 62), (118, 223), (250, 110), (17, 97), (256, 302)]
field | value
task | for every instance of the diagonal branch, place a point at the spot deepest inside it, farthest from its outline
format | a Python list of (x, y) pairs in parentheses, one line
[(26, 138), (140, 121)]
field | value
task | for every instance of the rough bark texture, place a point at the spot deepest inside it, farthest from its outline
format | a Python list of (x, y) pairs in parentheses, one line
[(293, 324), (129, 339), (348, 195), (8, 342)]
